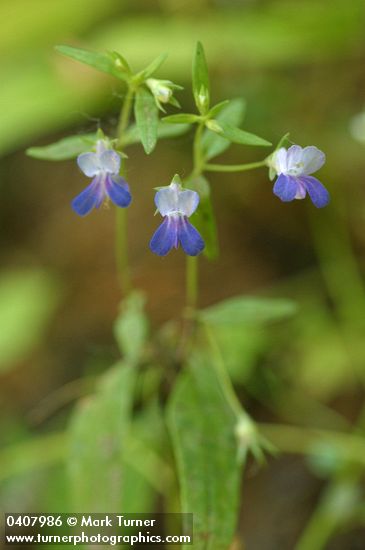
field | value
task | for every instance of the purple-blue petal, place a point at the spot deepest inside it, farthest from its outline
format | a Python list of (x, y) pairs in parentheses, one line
[(117, 190), (285, 188), (89, 198), (190, 239), (317, 192), (165, 237)]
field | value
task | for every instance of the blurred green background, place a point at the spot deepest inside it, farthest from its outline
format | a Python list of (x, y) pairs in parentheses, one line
[(300, 66)]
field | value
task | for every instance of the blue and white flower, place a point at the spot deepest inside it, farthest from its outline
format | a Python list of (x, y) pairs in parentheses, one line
[(293, 167), (176, 205), (103, 166)]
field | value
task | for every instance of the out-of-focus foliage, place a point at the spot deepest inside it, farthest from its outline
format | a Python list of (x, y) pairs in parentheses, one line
[(100, 475), (27, 302)]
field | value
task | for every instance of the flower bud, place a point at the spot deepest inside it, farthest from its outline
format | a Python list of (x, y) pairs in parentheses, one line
[(161, 89), (202, 100)]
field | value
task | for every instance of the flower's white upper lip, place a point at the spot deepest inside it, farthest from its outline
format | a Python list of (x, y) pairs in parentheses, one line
[(103, 161), (173, 200), (297, 161)]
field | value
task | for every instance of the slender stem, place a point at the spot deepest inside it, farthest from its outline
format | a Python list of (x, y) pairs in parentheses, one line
[(192, 266), (197, 151), (301, 440), (121, 251), (191, 282), (121, 241), (234, 167), (125, 113)]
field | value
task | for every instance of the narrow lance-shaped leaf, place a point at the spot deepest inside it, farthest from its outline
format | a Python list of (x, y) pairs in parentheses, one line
[(201, 86), (214, 111), (146, 114), (231, 113), (66, 148), (164, 130), (105, 63), (236, 135), (248, 310), (202, 428), (152, 67)]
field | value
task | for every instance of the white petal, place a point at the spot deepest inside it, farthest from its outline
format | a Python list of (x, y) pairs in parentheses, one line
[(188, 202), (88, 164), (279, 161), (313, 159), (110, 161), (166, 200), (294, 159)]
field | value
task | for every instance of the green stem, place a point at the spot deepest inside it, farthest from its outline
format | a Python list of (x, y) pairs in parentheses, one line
[(191, 282), (125, 113), (197, 151), (234, 167), (121, 241), (192, 266), (121, 251), (300, 440)]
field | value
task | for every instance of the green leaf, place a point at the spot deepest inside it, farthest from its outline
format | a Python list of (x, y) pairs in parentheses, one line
[(131, 327), (146, 114), (105, 63), (236, 135), (204, 218), (201, 86), (152, 67), (202, 429), (214, 111), (28, 300), (147, 447), (248, 310), (98, 429), (163, 131), (232, 113), (66, 148), (181, 118)]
